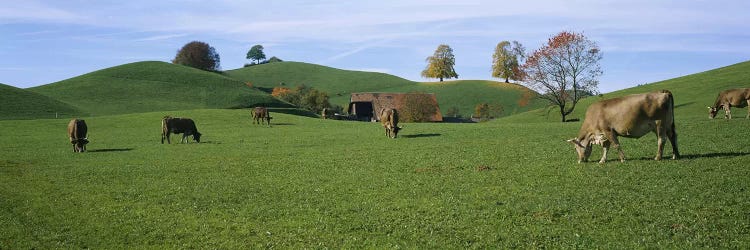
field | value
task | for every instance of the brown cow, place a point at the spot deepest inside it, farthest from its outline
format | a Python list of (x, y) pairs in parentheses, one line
[(629, 116), (77, 131), (389, 120), (260, 114), (730, 98), (177, 125)]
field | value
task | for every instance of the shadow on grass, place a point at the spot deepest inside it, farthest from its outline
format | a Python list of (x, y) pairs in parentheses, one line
[(695, 156), (421, 135), (712, 155), (110, 150), (684, 104)]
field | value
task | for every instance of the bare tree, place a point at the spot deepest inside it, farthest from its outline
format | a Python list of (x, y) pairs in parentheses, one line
[(565, 70)]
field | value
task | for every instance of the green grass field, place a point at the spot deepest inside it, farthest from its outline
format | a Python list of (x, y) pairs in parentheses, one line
[(311, 183)]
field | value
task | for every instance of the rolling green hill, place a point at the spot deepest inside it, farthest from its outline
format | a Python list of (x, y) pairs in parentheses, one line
[(692, 94), (464, 95), (153, 86), (331, 80), (23, 104)]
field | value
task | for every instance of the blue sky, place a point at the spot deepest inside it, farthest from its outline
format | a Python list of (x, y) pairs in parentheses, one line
[(642, 41)]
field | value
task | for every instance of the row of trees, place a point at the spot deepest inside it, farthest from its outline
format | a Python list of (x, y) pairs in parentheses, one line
[(564, 70)]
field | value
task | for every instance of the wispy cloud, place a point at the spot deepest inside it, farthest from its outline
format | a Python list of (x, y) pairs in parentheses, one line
[(160, 37)]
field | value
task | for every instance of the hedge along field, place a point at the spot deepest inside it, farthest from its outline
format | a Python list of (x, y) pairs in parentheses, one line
[(311, 183)]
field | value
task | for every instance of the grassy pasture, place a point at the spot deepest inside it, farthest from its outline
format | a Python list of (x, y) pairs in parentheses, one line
[(311, 183)]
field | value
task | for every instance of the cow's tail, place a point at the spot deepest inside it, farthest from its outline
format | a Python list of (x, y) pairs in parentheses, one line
[(673, 134)]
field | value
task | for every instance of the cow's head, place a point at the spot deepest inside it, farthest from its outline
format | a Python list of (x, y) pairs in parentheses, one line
[(197, 137), (80, 144), (712, 112), (582, 147), (395, 131)]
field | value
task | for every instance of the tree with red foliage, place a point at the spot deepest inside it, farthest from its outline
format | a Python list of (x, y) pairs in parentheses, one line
[(565, 70)]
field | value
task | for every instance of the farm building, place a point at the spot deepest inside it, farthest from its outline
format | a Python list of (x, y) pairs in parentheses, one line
[(365, 106)]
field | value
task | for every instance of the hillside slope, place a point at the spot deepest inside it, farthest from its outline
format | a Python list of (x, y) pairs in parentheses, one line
[(18, 103), (339, 84), (153, 86), (331, 80), (692, 94)]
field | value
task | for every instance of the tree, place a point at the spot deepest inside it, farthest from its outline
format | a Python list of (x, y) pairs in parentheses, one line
[(506, 60), (486, 111), (198, 55), (256, 53), (564, 69), (440, 64)]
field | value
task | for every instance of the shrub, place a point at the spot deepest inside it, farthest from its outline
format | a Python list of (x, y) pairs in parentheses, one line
[(418, 107)]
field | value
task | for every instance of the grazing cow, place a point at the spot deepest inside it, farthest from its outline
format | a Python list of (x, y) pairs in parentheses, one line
[(177, 125), (260, 114), (730, 98), (77, 131), (389, 120), (629, 116)]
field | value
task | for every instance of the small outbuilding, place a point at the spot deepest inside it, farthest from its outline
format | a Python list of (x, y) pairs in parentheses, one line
[(365, 106)]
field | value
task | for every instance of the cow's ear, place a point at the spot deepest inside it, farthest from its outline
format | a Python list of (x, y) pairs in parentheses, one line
[(709, 108)]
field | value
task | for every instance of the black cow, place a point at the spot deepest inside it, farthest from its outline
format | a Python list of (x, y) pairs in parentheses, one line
[(177, 125)]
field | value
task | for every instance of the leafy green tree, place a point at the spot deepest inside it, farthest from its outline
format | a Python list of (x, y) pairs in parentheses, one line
[(256, 53), (198, 55), (505, 61), (440, 65)]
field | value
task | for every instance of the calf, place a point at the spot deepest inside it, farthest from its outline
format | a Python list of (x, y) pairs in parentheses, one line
[(389, 120), (730, 98), (77, 131), (629, 116), (260, 114), (176, 125)]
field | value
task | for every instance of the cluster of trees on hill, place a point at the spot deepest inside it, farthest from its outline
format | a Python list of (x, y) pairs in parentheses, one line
[(565, 69), (202, 56), (256, 54)]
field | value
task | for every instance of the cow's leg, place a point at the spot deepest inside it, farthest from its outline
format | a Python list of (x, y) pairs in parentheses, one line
[(748, 110), (660, 134), (672, 135), (616, 143), (605, 149), (727, 112)]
